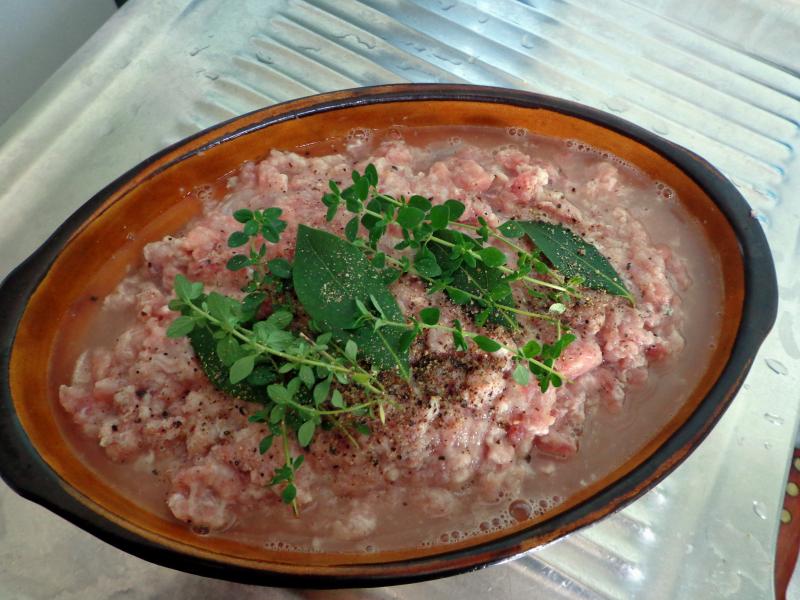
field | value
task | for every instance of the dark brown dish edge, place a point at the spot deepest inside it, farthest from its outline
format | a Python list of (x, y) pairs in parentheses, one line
[(24, 471)]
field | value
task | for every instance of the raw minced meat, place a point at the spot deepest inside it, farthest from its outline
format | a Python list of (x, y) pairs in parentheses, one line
[(463, 425)]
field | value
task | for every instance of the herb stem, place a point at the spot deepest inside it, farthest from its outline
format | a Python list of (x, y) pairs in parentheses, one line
[(289, 465), (469, 334), (476, 256), (262, 349), (503, 307)]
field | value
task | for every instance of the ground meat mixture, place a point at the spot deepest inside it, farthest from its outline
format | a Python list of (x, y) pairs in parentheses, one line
[(463, 425)]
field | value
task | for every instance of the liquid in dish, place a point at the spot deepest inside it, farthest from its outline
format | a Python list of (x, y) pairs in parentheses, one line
[(466, 448)]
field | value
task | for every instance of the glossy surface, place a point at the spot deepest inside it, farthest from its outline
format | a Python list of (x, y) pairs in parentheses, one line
[(705, 530)]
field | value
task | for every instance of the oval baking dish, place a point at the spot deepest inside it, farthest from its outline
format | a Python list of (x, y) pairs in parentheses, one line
[(37, 461)]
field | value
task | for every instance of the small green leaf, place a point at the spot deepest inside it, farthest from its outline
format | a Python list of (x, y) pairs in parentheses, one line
[(306, 433), (180, 327), (277, 413), (183, 288), (351, 229), (306, 375), (379, 260), (261, 375), (531, 348), (337, 400), (362, 428), (427, 266), (407, 339), (242, 368), (238, 238), (237, 262), (430, 315), (492, 257), (321, 391), (228, 350), (458, 296), (280, 267), (278, 394), (486, 344), (250, 228), (289, 493), (557, 308), (371, 174), (243, 215), (298, 460), (351, 350), (280, 319), (511, 229), (265, 444), (522, 374), (410, 217), (439, 216), (455, 209), (420, 202), (361, 188)]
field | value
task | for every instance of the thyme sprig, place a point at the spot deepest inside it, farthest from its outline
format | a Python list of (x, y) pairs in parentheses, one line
[(297, 371)]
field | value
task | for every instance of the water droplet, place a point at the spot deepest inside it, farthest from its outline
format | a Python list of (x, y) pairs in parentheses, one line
[(446, 4), (528, 41), (616, 105), (483, 18), (446, 59), (661, 128), (776, 366), (689, 548), (774, 419), (767, 445), (760, 509), (471, 60)]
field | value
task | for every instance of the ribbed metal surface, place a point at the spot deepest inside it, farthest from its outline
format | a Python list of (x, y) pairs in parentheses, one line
[(165, 69)]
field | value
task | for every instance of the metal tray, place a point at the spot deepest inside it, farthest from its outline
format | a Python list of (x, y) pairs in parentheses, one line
[(162, 70)]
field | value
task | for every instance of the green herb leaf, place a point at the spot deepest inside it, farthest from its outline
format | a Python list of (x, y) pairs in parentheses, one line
[(351, 229), (430, 315), (521, 374), (486, 344), (237, 262), (511, 229), (280, 319), (180, 327), (329, 274), (420, 202), (439, 217), (492, 257), (242, 368), (455, 209), (321, 391), (574, 257), (238, 238), (410, 217), (289, 493), (243, 215), (265, 444), (205, 348), (305, 433), (337, 400), (280, 267)]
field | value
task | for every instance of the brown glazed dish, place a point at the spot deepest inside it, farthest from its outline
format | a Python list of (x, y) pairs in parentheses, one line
[(39, 464)]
